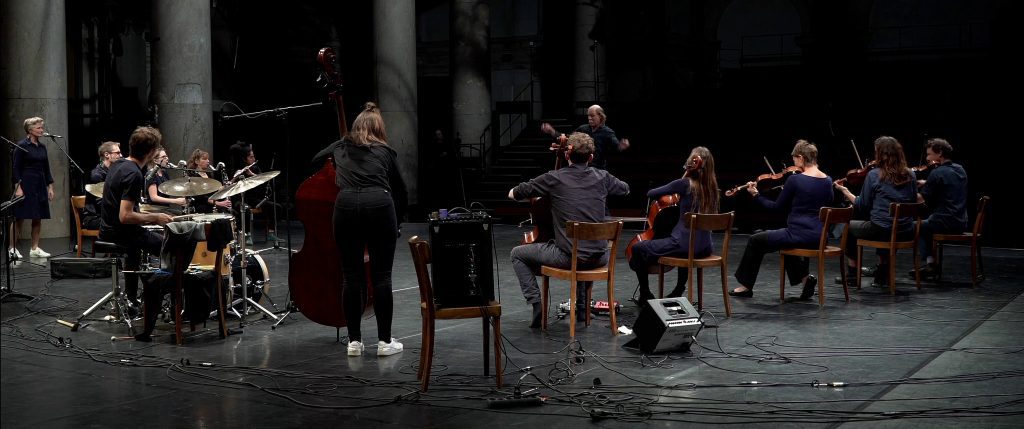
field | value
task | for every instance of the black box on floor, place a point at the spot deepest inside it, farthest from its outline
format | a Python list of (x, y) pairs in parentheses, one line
[(80, 268), (664, 325), (460, 247)]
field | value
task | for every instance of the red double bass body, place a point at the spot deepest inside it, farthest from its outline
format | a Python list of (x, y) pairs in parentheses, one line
[(315, 275)]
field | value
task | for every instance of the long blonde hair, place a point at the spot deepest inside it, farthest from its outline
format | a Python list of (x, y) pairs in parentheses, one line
[(368, 128)]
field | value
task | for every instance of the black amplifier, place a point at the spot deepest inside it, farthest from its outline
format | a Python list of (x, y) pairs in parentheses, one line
[(462, 269), (665, 324)]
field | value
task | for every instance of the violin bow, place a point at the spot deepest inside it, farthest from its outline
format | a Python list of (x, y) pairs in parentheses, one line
[(855, 152), (768, 164)]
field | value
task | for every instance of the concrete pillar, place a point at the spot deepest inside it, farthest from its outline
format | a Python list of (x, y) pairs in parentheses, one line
[(33, 76), (182, 88), (470, 70), (394, 34), (590, 85)]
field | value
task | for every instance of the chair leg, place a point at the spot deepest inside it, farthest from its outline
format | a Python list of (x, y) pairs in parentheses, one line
[(661, 282), (821, 282), (497, 351), (700, 289), (572, 308), (974, 265), (917, 272), (842, 274), (544, 303), (725, 292), (860, 259), (611, 307), (424, 337), (892, 272), (782, 278), (427, 356), (487, 347), (78, 253)]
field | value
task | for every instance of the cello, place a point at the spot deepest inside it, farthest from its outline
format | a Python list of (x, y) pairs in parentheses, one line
[(315, 275), (540, 207), (662, 216)]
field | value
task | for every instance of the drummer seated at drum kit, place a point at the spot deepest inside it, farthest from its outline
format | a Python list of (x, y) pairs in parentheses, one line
[(120, 221)]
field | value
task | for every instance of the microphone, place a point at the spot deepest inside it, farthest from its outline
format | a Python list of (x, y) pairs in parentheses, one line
[(52, 136), (182, 163), (220, 166)]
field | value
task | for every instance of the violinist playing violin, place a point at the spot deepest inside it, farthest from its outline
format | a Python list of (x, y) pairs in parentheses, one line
[(802, 196), (945, 194), (578, 192), (698, 193), (891, 182)]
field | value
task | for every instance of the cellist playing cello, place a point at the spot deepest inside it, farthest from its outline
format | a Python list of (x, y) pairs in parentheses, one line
[(698, 193), (577, 192)]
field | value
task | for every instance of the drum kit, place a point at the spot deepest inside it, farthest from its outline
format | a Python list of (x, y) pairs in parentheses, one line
[(250, 278)]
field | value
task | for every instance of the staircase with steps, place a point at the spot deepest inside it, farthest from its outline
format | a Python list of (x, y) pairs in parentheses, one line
[(526, 157)]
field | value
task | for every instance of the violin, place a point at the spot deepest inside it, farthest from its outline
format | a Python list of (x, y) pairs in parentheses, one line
[(662, 215), (855, 177), (540, 207), (930, 165), (767, 181)]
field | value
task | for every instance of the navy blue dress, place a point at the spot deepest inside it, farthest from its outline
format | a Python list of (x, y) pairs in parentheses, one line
[(32, 169)]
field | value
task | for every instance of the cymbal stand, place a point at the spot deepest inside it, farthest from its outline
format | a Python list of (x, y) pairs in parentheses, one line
[(242, 264)]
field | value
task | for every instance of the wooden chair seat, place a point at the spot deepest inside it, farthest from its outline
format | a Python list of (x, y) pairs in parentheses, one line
[(581, 231), (896, 211), (829, 217), (970, 238), (430, 312), (78, 203), (701, 222)]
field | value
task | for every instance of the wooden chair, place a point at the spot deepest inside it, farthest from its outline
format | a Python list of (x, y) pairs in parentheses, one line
[(578, 231), (490, 314), (829, 216), (897, 211), (702, 222), (78, 203), (970, 238)]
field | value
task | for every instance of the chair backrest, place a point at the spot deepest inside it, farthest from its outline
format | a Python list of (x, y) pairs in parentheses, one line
[(421, 257), (580, 231), (901, 210), (710, 222), (979, 217), (834, 216), (78, 203)]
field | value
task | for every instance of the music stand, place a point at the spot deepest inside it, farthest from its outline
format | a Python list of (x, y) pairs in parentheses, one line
[(7, 214)]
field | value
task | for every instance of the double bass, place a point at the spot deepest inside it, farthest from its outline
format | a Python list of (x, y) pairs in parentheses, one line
[(662, 216), (315, 276)]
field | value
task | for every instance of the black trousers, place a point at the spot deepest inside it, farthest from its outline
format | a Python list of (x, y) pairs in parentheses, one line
[(365, 219), (148, 241), (758, 246)]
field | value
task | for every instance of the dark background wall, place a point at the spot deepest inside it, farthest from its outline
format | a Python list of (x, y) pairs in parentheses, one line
[(745, 78)]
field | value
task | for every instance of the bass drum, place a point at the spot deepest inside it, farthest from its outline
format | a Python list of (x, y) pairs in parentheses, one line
[(256, 280)]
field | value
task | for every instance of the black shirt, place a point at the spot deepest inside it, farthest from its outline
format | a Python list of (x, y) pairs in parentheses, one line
[(125, 181), (97, 175), (370, 166), (605, 142)]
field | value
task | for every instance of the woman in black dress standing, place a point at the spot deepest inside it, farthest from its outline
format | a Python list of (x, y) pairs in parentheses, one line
[(32, 179)]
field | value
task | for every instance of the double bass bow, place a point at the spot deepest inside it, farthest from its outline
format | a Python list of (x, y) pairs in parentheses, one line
[(662, 215), (315, 275)]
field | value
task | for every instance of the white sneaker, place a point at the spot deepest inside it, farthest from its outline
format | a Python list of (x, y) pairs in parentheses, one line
[(37, 253), (388, 349), (12, 254), (355, 348)]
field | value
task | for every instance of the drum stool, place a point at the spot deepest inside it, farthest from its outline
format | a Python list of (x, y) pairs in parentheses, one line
[(115, 297)]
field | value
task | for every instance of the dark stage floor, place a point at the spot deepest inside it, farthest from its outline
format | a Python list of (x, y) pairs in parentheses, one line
[(945, 356)]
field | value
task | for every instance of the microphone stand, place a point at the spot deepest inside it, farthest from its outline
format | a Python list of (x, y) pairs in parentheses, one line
[(281, 113)]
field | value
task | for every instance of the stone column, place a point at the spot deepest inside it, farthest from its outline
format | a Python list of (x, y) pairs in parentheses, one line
[(182, 87), (394, 34), (590, 85), (470, 70), (33, 76)]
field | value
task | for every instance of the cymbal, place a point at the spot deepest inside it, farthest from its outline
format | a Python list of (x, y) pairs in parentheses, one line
[(189, 186), (245, 184), (95, 189)]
